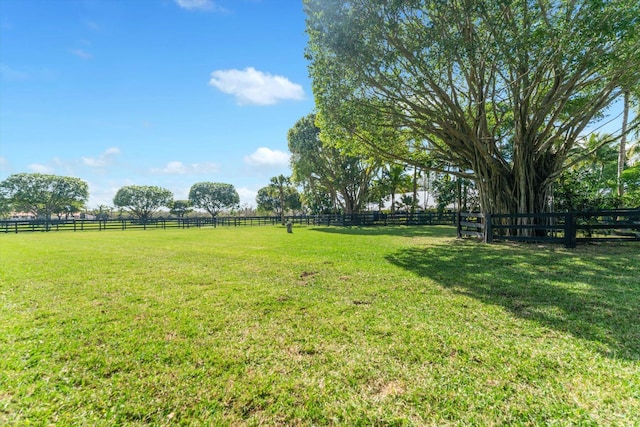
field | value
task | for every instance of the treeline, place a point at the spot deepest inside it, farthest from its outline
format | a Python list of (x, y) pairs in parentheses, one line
[(46, 195), (50, 196), (328, 178)]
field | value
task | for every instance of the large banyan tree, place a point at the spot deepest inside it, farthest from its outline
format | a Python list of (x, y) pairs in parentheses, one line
[(500, 91)]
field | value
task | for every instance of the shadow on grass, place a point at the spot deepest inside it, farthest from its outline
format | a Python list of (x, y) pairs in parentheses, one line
[(591, 293), (392, 230)]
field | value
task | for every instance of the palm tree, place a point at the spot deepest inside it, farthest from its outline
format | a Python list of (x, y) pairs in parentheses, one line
[(396, 181), (622, 152), (280, 182)]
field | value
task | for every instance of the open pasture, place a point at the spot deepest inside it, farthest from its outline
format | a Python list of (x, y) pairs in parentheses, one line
[(325, 326)]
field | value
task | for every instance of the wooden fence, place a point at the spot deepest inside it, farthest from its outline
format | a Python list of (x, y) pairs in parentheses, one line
[(368, 219), (569, 228), (363, 219), (16, 226)]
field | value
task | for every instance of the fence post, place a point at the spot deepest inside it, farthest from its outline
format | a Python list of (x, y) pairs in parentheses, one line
[(569, 230), (459, 225), (488, 229)]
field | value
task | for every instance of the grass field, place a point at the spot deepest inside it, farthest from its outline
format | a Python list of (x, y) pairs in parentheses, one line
[(325, 326)]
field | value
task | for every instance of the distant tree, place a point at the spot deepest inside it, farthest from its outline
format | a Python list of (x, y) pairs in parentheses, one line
[(267, 199), (631, 181), (141, 200), (316, 198), (5, 206), (446, 189), (394, 181), (322, 167), (279, 196), (180, 208), (407, 201), (44, 195), (622, 151), (213, 197), (281, 184), (591, 183), (70, 209), (245, 210), (580, 189), (293, 200), (102, 212)]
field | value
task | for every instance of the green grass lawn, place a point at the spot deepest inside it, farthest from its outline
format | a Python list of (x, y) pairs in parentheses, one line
[(325, 326)]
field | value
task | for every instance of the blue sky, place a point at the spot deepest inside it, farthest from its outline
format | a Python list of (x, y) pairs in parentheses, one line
[(151, 92)]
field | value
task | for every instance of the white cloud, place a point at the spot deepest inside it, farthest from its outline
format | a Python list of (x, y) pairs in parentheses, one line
[(81, 53), (92, 25), (38, 168), (254, 87), (100, 196), (103, 192), (247, 196), (198, 5), (5, 167), (11, 74), (104, 159), (179, 168), (264, 156)]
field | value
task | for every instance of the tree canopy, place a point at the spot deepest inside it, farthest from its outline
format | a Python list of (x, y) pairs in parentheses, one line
[(180, 208), (213, 196), (5, 205), (44, 195), (394, 180), (324, 168), (280, 195), (498, 91), (141, 200)]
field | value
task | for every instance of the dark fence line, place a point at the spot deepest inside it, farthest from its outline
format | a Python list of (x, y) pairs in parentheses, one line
[(368, 219), (567, 228), (362, 219), (17, 226)]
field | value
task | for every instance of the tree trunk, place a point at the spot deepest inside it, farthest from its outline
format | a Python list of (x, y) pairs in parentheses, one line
[(393, 202), (623, 143), (522, 187), (282, 207), (415, 190)]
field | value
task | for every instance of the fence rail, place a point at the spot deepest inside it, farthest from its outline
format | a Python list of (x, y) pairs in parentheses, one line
[(564, 228), (567, 228), (380, 218), (471, 224), (362, 219), (17, 226)]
